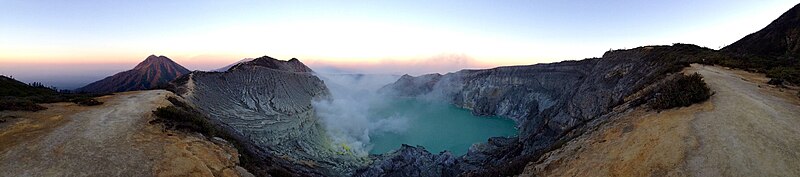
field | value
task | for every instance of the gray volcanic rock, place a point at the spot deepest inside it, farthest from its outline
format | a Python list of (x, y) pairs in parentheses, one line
[(153, 71), (225, 68), (411, 86), (411, 161), (548, 101), (266, 104)]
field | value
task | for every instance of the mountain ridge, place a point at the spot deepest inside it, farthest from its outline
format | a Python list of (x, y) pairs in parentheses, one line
[(780, 38)]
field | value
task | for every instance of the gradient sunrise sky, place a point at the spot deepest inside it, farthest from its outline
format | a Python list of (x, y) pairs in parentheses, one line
[(71, 43)]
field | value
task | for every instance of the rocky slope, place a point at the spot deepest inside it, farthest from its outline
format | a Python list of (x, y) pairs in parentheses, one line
[(151, 72), (266, 105)]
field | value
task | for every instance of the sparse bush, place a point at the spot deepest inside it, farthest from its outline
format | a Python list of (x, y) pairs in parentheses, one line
[(86, 101), (181, 117), (677, 67), (176, 118), (773, 81), (785, 73), (680, 91)]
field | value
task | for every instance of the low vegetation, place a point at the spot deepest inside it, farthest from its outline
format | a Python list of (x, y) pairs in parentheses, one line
[(18, 96), (180, 116), (680, 91), (783, 67), (19, 105)]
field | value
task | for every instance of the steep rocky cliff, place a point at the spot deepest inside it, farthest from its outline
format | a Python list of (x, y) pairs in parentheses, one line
[(266, 105), (548, 101)]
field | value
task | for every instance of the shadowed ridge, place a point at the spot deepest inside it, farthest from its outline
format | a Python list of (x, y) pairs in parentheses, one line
[(779, 38)]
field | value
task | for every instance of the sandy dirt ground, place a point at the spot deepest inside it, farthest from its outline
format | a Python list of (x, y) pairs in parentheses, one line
[(753, 130), (747, 128), (113, 139)]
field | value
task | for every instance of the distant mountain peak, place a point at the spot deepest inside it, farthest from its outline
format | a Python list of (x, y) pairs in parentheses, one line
[(292, 65), (154, 60), (151, 72)]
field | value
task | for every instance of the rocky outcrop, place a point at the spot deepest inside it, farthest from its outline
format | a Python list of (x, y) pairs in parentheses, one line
[(225, 68), (548, 101), (411, 161), (266, 105), (152, 72)]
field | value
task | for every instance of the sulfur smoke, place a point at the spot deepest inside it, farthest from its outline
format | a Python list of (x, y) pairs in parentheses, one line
[(346, 115)]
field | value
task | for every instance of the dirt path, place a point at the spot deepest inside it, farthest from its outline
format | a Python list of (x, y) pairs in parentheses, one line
[(114, 139), (746, 129), (753, 131)]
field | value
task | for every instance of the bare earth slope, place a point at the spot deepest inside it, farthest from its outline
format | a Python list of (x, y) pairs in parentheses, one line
[(114, 139), (746, 129)]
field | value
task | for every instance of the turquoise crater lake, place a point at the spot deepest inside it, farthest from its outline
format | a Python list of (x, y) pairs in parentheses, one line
[(437, 127)]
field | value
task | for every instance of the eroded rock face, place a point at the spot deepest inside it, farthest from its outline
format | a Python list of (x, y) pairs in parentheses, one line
[(548, 101), (267, 106)]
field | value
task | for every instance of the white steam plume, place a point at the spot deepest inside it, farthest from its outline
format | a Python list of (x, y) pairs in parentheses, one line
[(347, 115)]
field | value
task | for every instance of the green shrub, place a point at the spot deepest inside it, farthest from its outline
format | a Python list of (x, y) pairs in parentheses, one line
[(680, 91)]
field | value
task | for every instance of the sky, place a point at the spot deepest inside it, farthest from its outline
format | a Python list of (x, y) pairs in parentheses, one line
[(71, 43)]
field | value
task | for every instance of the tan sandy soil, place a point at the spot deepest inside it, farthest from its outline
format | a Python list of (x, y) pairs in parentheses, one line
[(746, 129), (113, 139)]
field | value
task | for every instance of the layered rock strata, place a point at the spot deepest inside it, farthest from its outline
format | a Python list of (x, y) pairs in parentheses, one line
[(266, 105)]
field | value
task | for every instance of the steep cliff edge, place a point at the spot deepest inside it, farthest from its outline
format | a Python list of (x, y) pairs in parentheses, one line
[(550, 102)]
